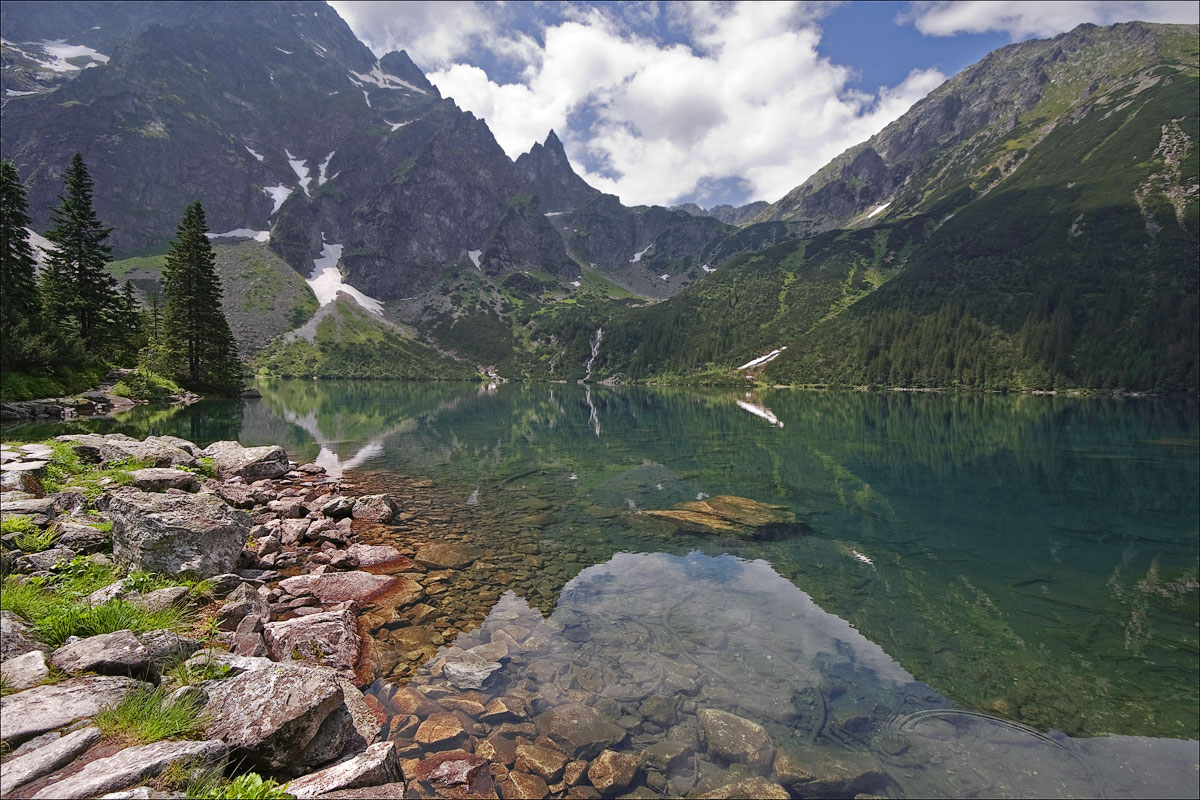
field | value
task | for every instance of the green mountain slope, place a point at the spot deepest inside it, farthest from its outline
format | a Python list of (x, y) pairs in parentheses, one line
[(1057, 250)]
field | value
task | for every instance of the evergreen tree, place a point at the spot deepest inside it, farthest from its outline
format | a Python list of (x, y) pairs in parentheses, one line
[(77, 284), (198, 346), (18, 283)]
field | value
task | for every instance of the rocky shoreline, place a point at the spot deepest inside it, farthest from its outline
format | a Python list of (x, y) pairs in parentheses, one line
[(287, 646), (99, 400)]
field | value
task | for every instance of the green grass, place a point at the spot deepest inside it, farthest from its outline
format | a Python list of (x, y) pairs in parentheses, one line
[(50, 382), (115, 615), (147, 715), (66, 469), (185, 675), (212, 784)]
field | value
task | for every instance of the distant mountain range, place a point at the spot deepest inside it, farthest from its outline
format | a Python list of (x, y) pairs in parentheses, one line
[(1030, 224)]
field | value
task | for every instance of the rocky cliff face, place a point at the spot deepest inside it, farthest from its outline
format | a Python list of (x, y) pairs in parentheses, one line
[(963, 132)]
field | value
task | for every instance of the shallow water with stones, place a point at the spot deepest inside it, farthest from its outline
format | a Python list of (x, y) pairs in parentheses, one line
[(968, 575)]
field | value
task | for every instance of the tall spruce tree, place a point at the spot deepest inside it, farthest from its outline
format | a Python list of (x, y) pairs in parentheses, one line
[(77, 285), (196, 339), (19, 302)]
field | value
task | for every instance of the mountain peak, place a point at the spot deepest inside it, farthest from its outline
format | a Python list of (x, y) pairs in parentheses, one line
[(551, 177)]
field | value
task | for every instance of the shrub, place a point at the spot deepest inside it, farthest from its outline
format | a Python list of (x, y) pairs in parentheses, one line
[(146, 385), (36, 540)]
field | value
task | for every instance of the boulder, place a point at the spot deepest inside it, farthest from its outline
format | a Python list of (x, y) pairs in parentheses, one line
[(133, 765), (368, 555), (374, 508), (15, 637), (723, 515), (522, 786), (248, 638), (44, 561), (162, 599), (74, 533), (337, 587), (25, 671), (242, 602), (280, 717), (176, 533), (174, 441), (22, 769), (469, 671), (610, 772), (251, 463), (439, 729), (338, 508), (86, 445), (457, 774), (158, 479), (165, 647), (445, 555), (541, 761), (379, 764), (44, 708), (118, 653), (578, 730), (154, 453), (751, 787), (730, 738), (121, 588), (330, 639)]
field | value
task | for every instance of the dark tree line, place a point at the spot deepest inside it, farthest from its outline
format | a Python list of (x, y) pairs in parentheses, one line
[(71, 317)]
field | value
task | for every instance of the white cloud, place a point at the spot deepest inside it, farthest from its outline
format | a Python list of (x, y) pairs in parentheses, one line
[(1021, 19), (751, 98)]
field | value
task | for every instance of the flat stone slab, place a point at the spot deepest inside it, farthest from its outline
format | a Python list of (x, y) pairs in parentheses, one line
[(118, 653), (378, 764), (724, 514), (47, 758), (336, 587), (25, 671), (157, 479), (445, 555), (132, 765), (368, 555), (45, 708)]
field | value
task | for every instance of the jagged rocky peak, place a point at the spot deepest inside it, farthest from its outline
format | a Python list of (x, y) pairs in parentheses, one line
[(399, 64), (730, 215), (550, 176)]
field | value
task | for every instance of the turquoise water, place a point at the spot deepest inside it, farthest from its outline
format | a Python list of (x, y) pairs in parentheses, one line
[(958, 561)]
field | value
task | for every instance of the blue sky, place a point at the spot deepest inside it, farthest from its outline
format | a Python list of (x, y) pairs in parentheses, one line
[(708, 102)]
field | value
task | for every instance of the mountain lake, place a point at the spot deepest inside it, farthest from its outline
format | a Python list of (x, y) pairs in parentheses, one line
[(925, 594)]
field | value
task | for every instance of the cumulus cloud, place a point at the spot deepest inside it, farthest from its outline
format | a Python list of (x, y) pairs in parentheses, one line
[(748, 98), (1021, 19)]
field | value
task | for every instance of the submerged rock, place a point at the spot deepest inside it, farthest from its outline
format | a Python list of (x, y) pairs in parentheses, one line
[(612, 771), (731, 738), (445, 555), (724, 514), (471, 672), (578, 730), (457, 774)]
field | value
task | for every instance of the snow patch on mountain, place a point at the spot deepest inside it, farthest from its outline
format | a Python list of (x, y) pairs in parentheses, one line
[(474, 256), (301, 169), (397, 125), (878, 210), (638, 256), (250, 150), (242, 233), (384, 81), (769, 357), (324, 167), (60, 51), (278, 194), (326, 280)]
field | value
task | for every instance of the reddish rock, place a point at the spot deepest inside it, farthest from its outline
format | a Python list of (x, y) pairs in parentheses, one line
[(541, 761), (457, 775), (612, 771), (336, 587), (446, 555), (439, 729), (731, 738), (497, 749), (573, 772), (523, 786)]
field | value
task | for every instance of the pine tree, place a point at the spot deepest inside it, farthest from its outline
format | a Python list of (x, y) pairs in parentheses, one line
[(19, 303), (77, 284), (196, 339)]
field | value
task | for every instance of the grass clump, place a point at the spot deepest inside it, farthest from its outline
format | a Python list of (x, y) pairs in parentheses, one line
[(115, 615), (67, 469), (189, 675), (146, 715)]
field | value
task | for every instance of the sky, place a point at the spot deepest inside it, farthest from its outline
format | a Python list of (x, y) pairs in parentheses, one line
[(707, 102)]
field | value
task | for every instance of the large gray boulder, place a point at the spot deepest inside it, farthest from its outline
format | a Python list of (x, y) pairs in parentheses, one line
[(284, 718), (157, 479), (133, 765), (44, 708), (330, 639), (177, 533), (24, 671), (117, 653), (251, 463), (153, 452)]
